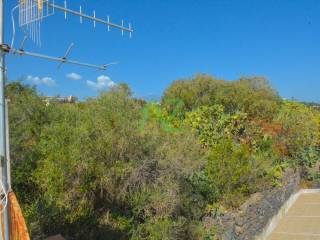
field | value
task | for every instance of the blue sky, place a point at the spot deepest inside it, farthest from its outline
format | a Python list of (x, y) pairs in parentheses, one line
[(176, 39)]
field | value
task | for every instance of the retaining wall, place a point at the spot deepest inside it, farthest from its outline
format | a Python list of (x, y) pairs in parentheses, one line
[(256, 213)]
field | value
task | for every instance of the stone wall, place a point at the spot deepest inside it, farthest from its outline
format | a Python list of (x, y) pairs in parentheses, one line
[(255, 214)]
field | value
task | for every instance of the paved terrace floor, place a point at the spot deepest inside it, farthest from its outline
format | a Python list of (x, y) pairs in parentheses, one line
[(302, 221)]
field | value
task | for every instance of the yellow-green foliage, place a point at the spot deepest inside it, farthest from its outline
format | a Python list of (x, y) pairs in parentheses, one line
[(301, 126), (212, 124)]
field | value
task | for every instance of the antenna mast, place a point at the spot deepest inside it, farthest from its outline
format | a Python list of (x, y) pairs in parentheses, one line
[(3, 153), (31, 14)]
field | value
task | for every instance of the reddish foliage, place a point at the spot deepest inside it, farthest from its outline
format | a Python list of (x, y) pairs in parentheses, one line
[(271, 128), (276, 131)]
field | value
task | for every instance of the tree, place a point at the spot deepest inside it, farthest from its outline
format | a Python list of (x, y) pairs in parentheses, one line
[(253, 96)]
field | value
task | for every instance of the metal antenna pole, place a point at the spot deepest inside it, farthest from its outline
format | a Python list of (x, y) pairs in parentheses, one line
[(3, 156)]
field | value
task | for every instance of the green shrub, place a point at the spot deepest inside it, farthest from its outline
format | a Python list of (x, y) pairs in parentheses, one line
[(199, 231), (159, 229), (308, 157), (236, 172), (203, 185)]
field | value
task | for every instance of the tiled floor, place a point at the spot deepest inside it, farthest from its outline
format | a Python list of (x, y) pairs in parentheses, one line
[(302, 222)]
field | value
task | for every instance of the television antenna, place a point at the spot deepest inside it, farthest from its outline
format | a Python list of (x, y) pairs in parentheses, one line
[(31, 13)]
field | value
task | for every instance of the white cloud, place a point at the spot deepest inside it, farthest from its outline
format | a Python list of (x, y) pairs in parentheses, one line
[(48, 81), (103, 82), (74, 76)]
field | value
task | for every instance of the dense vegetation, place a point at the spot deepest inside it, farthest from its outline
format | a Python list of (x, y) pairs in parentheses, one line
[(116, 167)]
